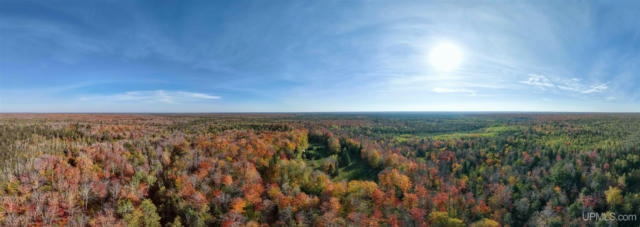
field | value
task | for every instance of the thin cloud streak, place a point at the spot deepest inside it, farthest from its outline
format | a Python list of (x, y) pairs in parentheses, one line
[(572, 85), (154, 96), (538, 81)]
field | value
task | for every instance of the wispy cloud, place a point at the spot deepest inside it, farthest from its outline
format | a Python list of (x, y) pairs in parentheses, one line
[(538, 81), (197, 95), (596, 89), (154, 96), (573, 85)]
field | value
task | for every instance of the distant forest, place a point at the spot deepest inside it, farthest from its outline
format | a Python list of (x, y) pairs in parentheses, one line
[(358, 169)]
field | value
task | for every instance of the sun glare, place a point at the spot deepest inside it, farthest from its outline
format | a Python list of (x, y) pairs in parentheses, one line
[(445, 56)]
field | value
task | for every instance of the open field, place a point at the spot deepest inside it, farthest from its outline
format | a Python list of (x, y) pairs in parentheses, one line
[(386, 169)]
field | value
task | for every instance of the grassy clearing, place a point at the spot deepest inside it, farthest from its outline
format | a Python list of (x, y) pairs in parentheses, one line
[(485, 132), (358, 169), (315, 152), (493, 131)]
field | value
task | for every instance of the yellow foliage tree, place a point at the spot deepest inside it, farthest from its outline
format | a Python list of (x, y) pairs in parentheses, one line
[(485, 222), (439, 218), (614, 196)]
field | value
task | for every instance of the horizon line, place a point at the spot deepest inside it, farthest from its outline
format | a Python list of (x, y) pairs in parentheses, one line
[(338, 112)]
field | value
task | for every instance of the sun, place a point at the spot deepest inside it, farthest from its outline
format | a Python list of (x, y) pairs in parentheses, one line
[(445, 56)]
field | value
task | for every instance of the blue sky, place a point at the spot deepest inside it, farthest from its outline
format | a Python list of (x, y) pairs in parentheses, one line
[(289, 56)]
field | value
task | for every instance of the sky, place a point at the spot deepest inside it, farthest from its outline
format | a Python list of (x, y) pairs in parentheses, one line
[(318, 56)]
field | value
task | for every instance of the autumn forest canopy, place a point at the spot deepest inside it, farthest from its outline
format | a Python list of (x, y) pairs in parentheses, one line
[(367, 169), (320, 113)]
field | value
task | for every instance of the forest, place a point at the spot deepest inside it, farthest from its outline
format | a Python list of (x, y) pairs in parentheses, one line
[(319, 169)]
